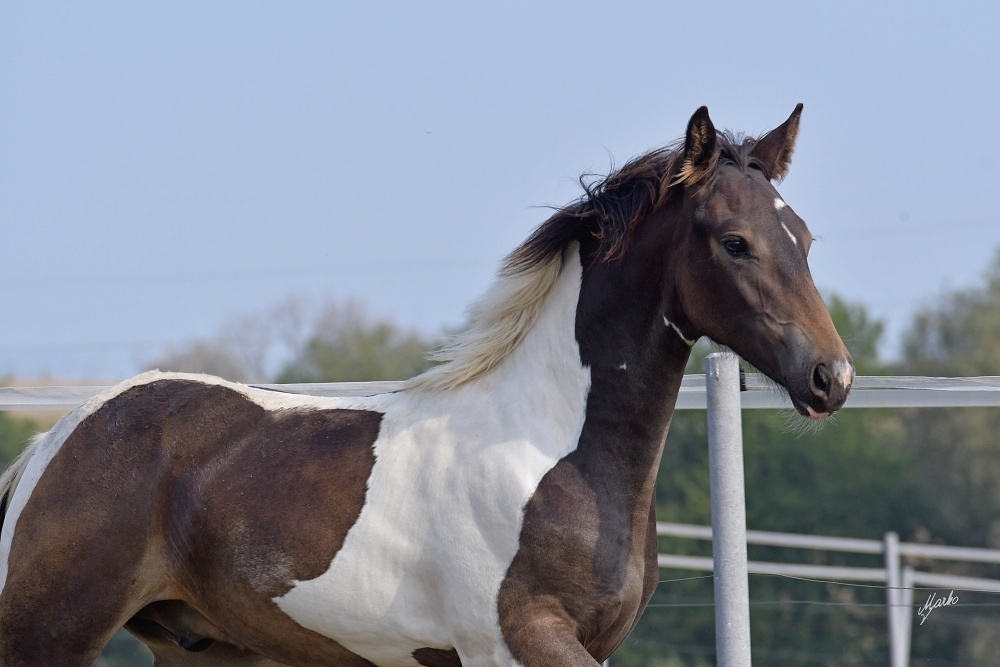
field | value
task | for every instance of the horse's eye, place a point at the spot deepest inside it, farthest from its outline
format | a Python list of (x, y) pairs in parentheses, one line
[(736, 246)]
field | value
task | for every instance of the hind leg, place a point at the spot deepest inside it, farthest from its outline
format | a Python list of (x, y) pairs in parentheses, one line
[(42, 629), (81, 541), (67, 592), (63, 616)]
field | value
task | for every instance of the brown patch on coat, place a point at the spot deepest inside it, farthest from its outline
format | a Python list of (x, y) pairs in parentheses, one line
[(435, 657), (184, 490)]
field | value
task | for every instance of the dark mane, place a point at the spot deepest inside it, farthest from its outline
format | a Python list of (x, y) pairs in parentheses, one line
[(611, 206)]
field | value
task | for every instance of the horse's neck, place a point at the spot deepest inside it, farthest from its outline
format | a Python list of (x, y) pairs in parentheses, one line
[(601, 346), (636, 362)]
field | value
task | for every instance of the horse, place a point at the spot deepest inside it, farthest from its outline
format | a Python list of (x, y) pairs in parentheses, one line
[(498, 509)]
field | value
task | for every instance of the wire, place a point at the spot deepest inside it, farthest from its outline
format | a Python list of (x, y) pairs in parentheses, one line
[(670, 581), (818, 603), (898, 588), (850, 584)]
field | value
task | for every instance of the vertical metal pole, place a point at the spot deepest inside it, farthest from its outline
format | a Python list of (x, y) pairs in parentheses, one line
[(729, 516), (906, 613), (894, 582)]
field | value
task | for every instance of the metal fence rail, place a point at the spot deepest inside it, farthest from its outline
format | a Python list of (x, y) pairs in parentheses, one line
[(868, 392)]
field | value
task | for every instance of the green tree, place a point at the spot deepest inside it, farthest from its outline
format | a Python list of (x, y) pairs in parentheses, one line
[(348, 346), (957, 449), (960, 334)]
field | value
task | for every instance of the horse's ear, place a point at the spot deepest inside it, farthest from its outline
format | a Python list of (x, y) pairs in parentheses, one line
[(701, 148), (774, 150)]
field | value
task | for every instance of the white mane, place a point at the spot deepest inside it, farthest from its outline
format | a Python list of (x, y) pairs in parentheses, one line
[(500, 320)]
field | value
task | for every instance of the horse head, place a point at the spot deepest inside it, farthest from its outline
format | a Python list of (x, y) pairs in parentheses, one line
[(740, 272)]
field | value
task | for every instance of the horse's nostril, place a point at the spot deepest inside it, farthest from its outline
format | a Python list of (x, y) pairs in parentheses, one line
[(821, 380)]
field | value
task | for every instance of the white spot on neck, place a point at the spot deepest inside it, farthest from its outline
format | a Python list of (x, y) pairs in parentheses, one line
[(673, 326), (779, 204)]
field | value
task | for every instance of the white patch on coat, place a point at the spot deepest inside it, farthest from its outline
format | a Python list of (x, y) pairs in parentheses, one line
[(454, 469), (623, 367), (779, 204), (679, 332)]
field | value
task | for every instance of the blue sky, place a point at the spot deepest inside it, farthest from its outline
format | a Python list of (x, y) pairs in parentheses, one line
[(167, 167)]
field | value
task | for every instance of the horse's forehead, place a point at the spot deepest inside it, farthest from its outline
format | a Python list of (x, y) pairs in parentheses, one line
[(735, 191)]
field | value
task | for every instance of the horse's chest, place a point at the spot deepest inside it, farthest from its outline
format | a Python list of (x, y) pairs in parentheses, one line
[(423, 564), (587, 548)]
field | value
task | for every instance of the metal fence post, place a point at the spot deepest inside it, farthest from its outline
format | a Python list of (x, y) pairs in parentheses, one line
[(906, 613), (729, 523), (893, 599)]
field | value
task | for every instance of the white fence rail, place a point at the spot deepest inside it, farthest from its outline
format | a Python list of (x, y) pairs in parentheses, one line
[(868, 392), (899, 579)]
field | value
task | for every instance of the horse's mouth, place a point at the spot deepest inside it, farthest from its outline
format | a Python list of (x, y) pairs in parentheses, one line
[(800, 405), (804, 409)]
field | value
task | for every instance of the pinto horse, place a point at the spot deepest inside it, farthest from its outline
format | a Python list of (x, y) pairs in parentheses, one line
[(497, 510)]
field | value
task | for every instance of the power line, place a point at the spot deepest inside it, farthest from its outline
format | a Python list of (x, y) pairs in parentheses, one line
[(244, 275)]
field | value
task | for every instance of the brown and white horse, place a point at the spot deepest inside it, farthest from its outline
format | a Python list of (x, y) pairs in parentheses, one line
[(499, 510)]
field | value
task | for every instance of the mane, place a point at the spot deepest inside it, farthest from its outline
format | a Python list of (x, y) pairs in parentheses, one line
[(609, 210)]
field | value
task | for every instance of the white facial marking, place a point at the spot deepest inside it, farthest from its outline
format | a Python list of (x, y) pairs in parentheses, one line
[(790, 235), (845, 371), (677, 329), (778, 205), (623, 367)]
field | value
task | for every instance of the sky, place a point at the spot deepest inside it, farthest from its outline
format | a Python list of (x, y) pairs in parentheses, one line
[(167, 168)]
